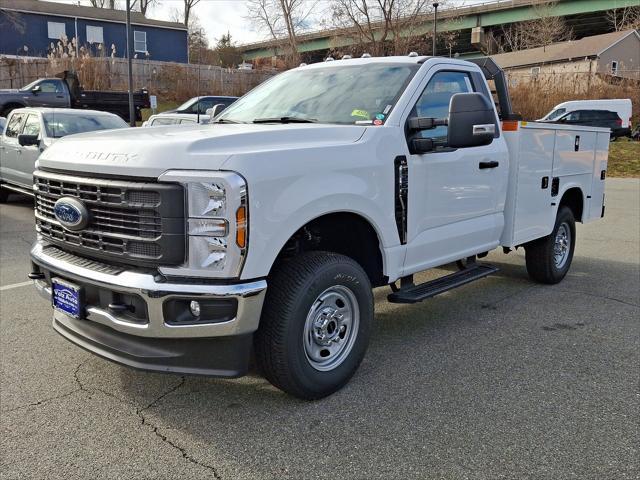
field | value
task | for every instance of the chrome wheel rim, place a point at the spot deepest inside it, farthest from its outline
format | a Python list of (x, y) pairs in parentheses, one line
[(562, 245), (331, 328)]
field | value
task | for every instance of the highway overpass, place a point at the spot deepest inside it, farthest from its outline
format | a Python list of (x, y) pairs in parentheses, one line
[(584, 17)]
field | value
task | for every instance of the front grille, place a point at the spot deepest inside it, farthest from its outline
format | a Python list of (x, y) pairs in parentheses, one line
[(141, 223)]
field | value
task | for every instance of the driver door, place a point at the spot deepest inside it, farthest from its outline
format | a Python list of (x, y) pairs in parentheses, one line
[(455, 202), (28, 154), (9, 156), (51, 94)]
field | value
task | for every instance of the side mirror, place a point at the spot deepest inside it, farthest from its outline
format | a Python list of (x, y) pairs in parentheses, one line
[(217, 108), (26, 140), (420, 145), (472, 121), (36, 90)]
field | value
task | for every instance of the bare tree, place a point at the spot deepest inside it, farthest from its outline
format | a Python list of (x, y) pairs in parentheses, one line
[(13, 19), (627, 18), (382, 26), (451, 33), (110, 4), (282, 19), (188, 7), (546, 28), (266, 18), (143, 5)]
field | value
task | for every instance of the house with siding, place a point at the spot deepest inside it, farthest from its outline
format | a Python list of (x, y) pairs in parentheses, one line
[(610, 56), (30, 27)]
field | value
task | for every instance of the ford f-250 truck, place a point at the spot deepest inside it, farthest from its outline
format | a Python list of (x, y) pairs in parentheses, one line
[(65, 92), (181, 250)]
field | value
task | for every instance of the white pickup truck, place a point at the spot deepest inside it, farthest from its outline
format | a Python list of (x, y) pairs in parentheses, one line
[(182, 250)]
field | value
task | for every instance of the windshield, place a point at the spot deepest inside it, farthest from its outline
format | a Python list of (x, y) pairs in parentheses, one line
[(187, 104), (555, 114), (342, 94), (62, 124), (29, 86)]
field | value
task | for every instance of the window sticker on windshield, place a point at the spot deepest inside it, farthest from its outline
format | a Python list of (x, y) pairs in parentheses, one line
[(377, 122), (360, 113), (379, 116), (363, 122), (387, 109)]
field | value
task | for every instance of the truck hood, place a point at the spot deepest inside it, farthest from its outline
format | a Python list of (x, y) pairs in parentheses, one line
[(148, 152)]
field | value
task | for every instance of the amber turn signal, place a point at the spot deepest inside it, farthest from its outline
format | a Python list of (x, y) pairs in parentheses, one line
[(241, 227)]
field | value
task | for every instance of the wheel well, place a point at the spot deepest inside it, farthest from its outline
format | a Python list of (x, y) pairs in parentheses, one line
[(572, 198), (345, 233)]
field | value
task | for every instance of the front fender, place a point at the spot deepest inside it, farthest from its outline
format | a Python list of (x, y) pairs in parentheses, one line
[(280, 207)]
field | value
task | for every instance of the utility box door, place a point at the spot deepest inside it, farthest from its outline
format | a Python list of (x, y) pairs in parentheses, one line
[(533, 191)]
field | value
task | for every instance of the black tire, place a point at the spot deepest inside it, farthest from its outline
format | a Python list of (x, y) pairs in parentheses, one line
[(540, 254), (293, 291), (4, 195)]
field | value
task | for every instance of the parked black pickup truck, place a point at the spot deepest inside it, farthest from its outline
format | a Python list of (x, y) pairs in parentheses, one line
[(65, 91)]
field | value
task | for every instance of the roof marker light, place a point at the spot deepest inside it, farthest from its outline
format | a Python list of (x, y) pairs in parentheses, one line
[(413, 54), (329, 59), (366, 55), (346, 57), (303, 64)]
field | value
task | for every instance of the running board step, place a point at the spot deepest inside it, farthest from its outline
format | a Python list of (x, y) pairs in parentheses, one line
[(417, 293)]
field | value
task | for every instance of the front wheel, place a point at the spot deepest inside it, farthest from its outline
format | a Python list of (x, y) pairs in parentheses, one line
[(549, 258), (315, 325)]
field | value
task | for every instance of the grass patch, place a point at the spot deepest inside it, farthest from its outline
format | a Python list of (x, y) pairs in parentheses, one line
[(624, 158)]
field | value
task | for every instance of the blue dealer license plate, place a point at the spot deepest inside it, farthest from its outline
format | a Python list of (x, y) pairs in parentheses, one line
[(66, 297)]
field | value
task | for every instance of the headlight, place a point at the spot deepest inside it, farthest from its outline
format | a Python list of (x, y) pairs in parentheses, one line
[(217, 223)]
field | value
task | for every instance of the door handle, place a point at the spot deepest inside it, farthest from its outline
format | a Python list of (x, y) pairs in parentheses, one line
[(491, 164)]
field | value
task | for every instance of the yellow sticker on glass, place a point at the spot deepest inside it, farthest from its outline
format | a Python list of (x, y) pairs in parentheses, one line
[(360, 114)]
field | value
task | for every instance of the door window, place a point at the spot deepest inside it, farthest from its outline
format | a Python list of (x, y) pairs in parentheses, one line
[(50, 86), (434, 101), (31, 126), (13, 127), (573, 116)]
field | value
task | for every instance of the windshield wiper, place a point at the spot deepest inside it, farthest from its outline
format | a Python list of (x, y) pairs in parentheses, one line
[(284, 120), (225, 120)]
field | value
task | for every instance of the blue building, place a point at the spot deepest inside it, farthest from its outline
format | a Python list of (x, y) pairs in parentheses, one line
[(37, 24)]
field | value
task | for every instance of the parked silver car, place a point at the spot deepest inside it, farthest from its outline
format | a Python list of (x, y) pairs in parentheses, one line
[(29, 131)]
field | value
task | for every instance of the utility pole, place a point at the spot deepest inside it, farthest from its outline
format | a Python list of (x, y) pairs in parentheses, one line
[(435, 26), (132, 114)]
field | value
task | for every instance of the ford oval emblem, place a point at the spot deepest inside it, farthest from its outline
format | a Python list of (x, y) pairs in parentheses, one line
[(71, 213)]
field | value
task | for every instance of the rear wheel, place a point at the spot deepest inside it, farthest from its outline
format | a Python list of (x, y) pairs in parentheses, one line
[(315, 325), (549, 258)]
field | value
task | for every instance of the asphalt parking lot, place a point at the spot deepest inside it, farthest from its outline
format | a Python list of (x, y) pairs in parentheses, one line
[(502, 378)]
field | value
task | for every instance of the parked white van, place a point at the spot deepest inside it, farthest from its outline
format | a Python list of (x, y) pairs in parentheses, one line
[(622, 106)]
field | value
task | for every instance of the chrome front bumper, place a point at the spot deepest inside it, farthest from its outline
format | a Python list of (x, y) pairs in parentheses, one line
[(249, 297)]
